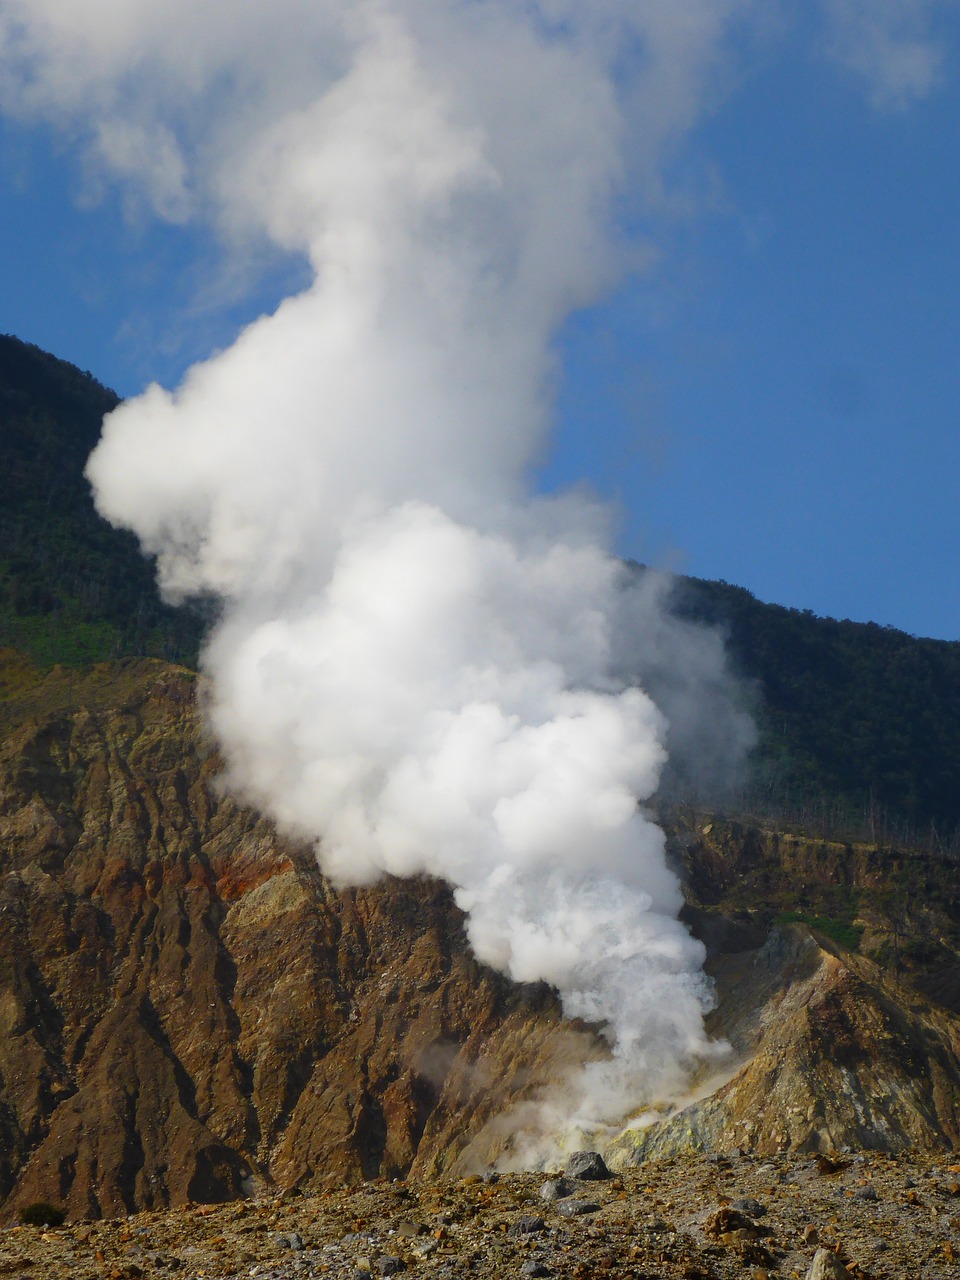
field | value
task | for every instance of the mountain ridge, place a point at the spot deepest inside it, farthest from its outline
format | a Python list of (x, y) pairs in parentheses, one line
[(190, 1011), (859, 724)]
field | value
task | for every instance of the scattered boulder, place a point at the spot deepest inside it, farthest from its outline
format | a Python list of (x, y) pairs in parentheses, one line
[(527, 1226), (752, 1208), (827, 1266), (587, 1165), (390, 1265), (727, 1220), (288, 1240), (574, 1208), (828, 1168)]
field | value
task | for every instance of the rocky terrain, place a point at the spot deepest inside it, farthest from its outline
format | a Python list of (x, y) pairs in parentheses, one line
[(189, 1012), (828, 1052), (686, 1218)]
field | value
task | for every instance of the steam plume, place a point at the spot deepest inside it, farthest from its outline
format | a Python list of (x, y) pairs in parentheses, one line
[(420, 666)]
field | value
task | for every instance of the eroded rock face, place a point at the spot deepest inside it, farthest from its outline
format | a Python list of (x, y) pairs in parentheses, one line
[(827, 1052), (187, 1007), (189, 1011)]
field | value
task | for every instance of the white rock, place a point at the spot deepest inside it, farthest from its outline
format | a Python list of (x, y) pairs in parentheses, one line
[(827, 1266)]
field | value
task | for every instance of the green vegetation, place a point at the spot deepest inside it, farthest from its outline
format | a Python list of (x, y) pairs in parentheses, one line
[(41, 1214), (72, 589), (860, 724), (843, 932)]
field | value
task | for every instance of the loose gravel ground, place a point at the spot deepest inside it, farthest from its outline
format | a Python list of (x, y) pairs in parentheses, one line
[(690, 1218)]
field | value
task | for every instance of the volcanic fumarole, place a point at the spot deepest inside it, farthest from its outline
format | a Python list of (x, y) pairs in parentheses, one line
[(421, 664)]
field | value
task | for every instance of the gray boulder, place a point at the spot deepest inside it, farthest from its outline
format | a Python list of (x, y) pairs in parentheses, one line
[(587, 1164)]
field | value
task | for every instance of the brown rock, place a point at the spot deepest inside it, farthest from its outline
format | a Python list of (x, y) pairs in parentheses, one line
[(188, 1011), (727, 1221)]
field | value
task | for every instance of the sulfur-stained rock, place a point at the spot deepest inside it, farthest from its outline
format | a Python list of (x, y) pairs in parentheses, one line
[(828, 1053)]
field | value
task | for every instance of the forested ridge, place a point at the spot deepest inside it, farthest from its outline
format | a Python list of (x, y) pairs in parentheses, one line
[(72, 589), (857, 721)]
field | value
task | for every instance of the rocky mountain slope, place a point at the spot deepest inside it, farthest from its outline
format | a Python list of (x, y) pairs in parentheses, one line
[(827, 1053), (190, 1012)]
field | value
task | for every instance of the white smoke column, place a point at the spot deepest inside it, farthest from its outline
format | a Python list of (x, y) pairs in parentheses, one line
[(418, 665), (436, 707)]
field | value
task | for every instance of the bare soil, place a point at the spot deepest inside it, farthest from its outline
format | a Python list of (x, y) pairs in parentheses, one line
[(689, 1218)]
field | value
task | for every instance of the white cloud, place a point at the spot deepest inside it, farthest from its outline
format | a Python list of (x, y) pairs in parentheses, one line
[(147, 157), (890, 44)]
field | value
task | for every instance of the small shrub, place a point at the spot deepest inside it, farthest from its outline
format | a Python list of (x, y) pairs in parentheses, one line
[(41, 1214), (885, 954), (924, 951)]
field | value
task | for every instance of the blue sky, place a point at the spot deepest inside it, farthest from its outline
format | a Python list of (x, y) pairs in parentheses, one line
[(786, 389), (774, 402)]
